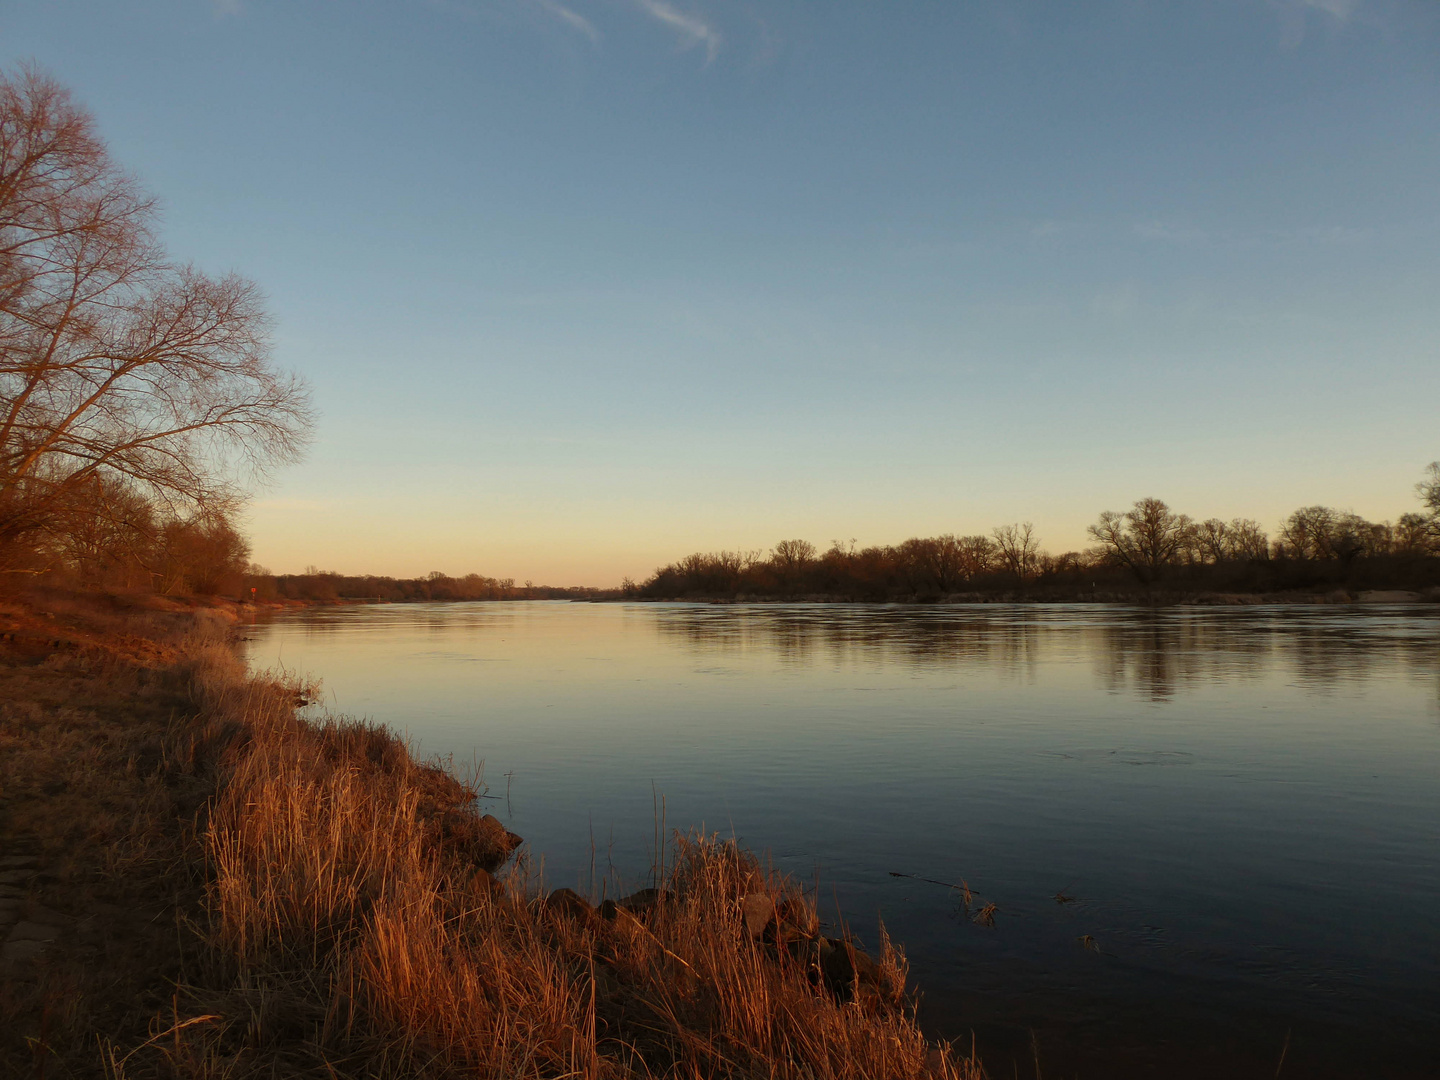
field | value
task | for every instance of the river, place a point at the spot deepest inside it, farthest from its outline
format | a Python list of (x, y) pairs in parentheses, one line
[(1211, 836)]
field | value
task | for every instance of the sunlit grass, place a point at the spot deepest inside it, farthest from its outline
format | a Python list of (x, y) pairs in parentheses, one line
[(345, 873)]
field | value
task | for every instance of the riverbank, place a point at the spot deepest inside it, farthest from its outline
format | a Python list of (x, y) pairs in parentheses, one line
[(1154, 599), (1180, 599), (199, 881)]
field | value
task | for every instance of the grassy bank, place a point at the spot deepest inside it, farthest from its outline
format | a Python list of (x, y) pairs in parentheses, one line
[(200, 883)]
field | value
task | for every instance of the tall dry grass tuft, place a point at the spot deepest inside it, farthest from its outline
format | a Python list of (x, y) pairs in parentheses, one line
[(478, 986), (357, 885)]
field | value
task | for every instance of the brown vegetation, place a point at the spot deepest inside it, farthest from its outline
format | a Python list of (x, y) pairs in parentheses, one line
[(136, 393), (264, 896), (328, 586)]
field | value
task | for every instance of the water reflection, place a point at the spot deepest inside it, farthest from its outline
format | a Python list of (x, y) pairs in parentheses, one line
[(1154, 653)]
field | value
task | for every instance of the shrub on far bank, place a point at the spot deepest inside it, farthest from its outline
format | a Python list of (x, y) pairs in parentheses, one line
[(328, 586)]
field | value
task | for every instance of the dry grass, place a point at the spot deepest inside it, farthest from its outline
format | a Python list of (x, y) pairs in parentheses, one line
[(341, 917), (335, 855)]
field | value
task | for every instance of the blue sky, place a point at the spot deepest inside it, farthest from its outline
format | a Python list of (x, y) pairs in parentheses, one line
[(583, 286)]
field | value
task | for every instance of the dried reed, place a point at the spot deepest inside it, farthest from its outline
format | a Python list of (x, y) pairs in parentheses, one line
[(347, 875)]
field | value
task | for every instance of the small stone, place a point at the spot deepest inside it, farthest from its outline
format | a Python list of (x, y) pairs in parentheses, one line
[(511, 841), (482, 883), (847, 969), (571, 903), (503, 840), (643, 900), (758, 911), (489, 841), (610, 911)]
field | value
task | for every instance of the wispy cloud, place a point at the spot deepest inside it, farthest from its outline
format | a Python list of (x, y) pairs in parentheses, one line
[(545, 13), (1340, 9), (693, 30), (1180, 234), (570, 18), (1294, 15), (1170, 233), (768, 44), (1333, 234)]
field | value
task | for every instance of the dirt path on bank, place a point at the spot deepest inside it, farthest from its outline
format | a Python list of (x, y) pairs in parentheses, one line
[(100, 874)]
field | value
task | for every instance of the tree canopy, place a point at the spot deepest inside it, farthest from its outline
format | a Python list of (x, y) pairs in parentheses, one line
[(121, 370)]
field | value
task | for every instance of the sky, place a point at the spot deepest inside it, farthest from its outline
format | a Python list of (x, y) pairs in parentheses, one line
[(582, 286)]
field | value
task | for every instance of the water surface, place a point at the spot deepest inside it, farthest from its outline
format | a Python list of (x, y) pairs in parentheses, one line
[(1244, 804)]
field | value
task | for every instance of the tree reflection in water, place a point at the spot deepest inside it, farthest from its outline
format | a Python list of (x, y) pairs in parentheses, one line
[(1156, 653)]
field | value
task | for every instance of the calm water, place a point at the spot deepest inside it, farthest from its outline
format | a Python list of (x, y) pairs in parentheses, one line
[(1244, 803)]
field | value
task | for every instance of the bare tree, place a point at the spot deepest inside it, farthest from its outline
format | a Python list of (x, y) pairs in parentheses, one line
[(1238, 539), (1146, 538), (1320, 532), (105, 532), (1413, 533), (1305, 534), (714, 573), (198, 555), (1212, 538), (1246, 539), (977, 556), (1429, 491), (934, 562), (1018, 549), (793, 555), (115, 362)]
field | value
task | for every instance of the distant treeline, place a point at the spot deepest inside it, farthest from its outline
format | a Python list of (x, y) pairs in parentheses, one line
[(129, 545), (321, 586), (1148, 550)]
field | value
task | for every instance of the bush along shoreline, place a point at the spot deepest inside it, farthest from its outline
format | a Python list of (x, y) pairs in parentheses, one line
[(199, 881)]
